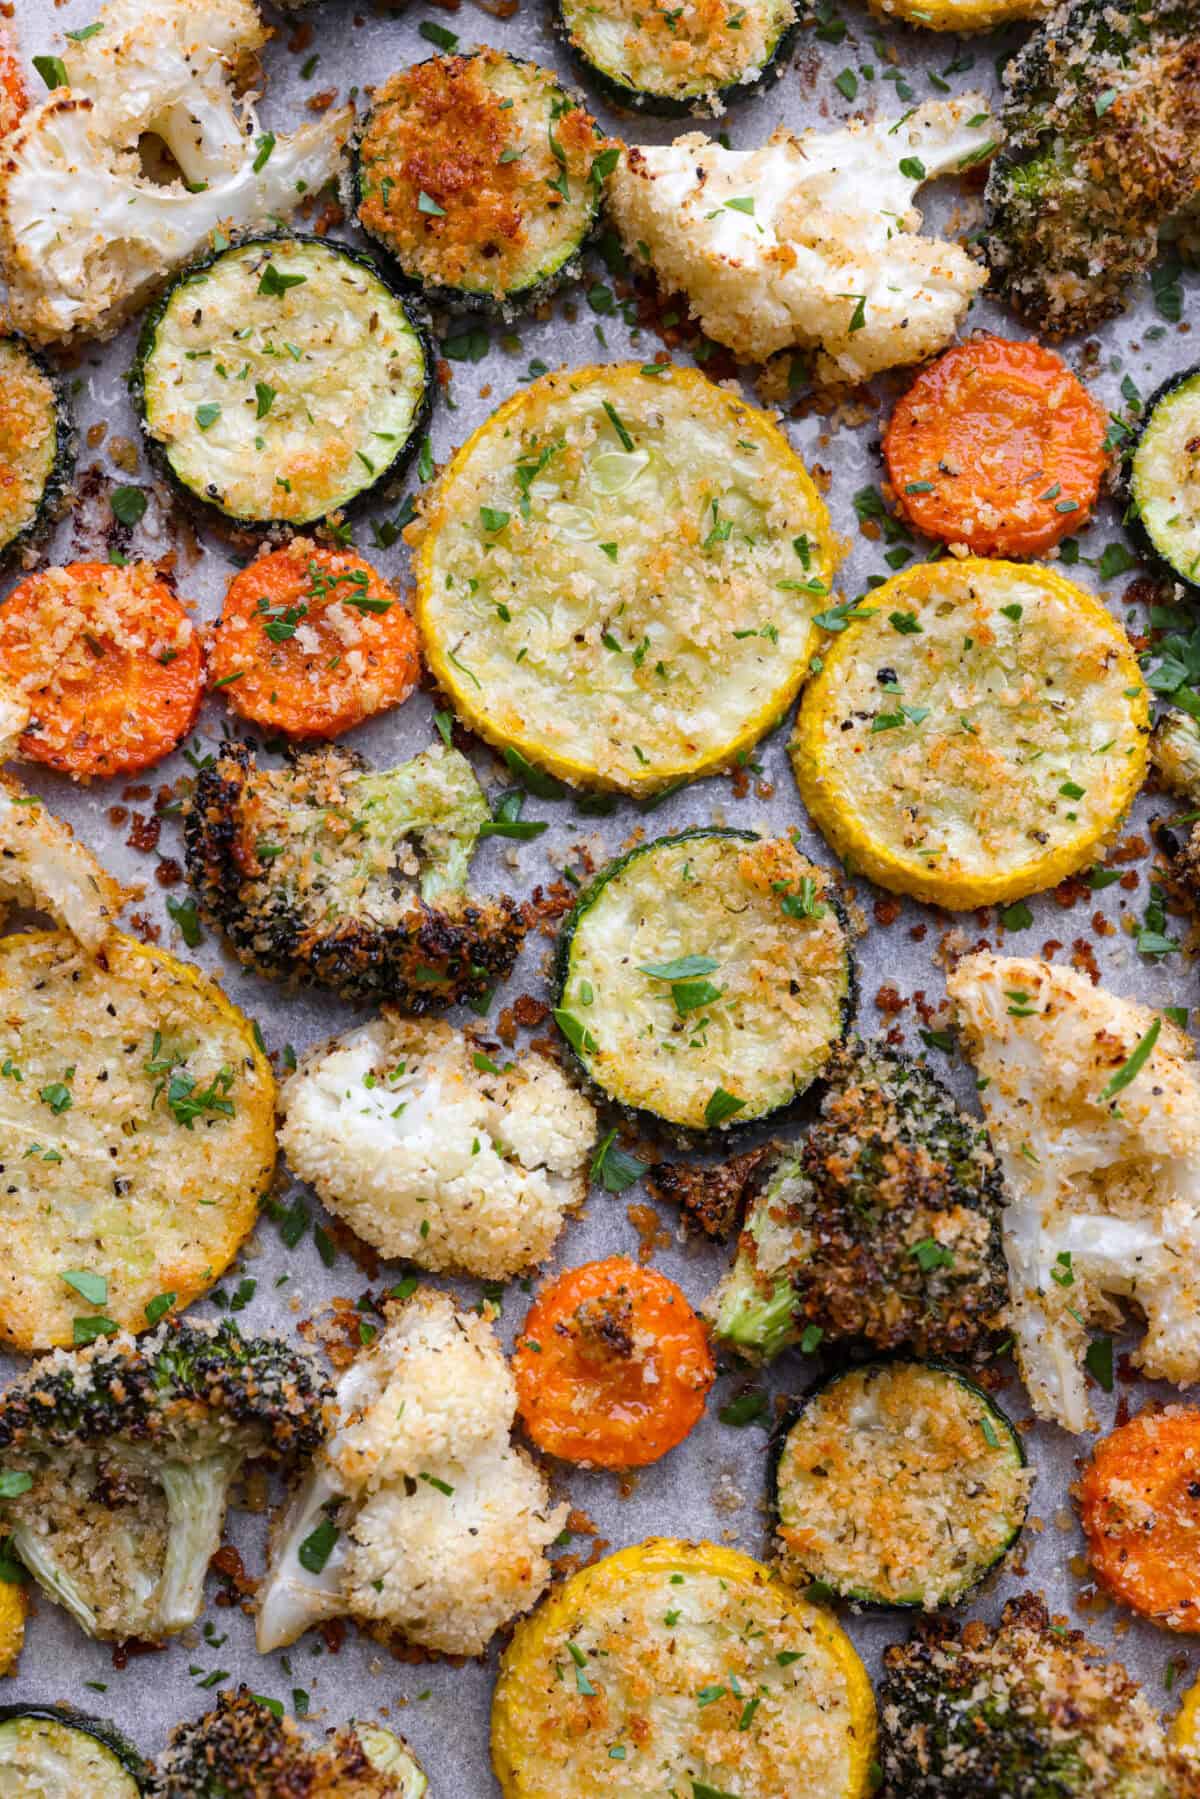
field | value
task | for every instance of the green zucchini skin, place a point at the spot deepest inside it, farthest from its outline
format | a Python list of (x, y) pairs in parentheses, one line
[(208, 509), (56, 488), (1177, 387), (625, 97), (1009, 1438), (439, 294), (641, 1117), (100, 1730)]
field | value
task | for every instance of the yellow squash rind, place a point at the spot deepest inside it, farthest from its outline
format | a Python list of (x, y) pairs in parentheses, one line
[(110, 1181), (895, 803), (549, 1737), (623, 635)]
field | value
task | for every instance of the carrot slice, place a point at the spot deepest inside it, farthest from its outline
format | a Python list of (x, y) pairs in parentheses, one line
[(14, 97), (312, 641), (997, 446), (108, 662), (613, 1366), (1139, 1500)]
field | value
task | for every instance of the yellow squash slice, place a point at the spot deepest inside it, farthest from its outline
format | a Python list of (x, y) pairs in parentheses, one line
[(618, 574), (137, 1135), (1185, 1731), (13, 1612), (960, 15), (675, 1667), (976, 733)]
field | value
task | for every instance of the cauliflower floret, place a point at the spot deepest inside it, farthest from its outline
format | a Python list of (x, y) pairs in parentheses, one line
[(15, 713), (433, 1152), (418, 1515), (85, 230), (42, 866), (1104, 1179), (811, 241)]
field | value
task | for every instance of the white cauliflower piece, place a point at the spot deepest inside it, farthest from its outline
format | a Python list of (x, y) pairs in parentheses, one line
[(418, 1515), (44, 867), (811, 241), (434, 1152), (15, 714), (1104, 1185), (86, 230)]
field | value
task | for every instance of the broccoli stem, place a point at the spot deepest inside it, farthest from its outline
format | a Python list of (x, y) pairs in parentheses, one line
[(760, 1325), (293, 1597), (32, 1550), (196, 1495), (435, 799)]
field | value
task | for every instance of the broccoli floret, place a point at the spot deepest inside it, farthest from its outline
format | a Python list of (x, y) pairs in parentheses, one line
[(714, 1198), (881, 1225), (243, 1750), (354, 878), (118, 1460), (1027, 1710), (1102, 153)]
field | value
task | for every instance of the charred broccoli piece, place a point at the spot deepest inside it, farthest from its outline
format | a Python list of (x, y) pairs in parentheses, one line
[(242, 1750), (714, 1198), (118, 1459), (355, 878), (1025, 1710), (881, 1225), (1101, 156)]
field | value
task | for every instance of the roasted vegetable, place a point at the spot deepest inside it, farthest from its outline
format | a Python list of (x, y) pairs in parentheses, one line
[(431, 1150), (56, 1752), (1164, 476), (87, 229), (705, 978), (1025, 1710), (693, 1666), (481, 177), (977, 733), (138, 1134), (647, 59), (1101, 152), (267, 436), (899, 1483), (350, 877), (242, 1750), (37, 441), (44, 867), (881, 1225), (419, 1517), (618, 574), (118, 1460)]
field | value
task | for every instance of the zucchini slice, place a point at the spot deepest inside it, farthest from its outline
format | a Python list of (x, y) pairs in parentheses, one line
[(705, 978), (479, 175), (618, 576), (37, 446), (1164, 475), (55, 1752), (282, 380), (137, 1135), (651, 59), (900, 1484), (975, 735), (681, 1668)]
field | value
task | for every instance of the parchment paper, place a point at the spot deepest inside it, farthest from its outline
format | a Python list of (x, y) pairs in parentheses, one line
[(713, 1485)]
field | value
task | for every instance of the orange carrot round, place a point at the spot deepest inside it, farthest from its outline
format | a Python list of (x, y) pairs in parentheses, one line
[(612, 1367), (13, 95), (109, 663), (313, 641), (1139, 1499), (997, 446)]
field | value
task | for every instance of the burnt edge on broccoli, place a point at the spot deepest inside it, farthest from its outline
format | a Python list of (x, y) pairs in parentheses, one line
[(714, 1198), (126, 1389), (439, 956), (1078, 193), (1027, 1709), (242, 1750), (888, 1174)]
